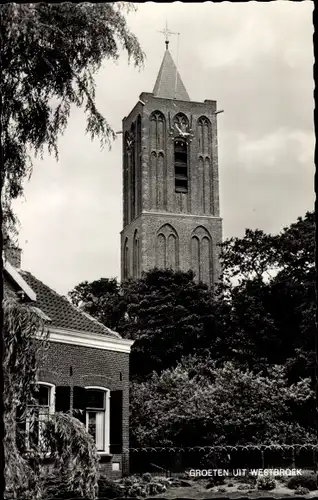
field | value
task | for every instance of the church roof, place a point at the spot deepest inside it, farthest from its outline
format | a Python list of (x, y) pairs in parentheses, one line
[(169, 84)]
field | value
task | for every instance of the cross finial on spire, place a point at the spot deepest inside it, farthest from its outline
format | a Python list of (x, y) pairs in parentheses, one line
[(167, 32)]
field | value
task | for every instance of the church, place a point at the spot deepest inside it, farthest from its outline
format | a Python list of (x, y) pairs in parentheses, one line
[(171, 214)]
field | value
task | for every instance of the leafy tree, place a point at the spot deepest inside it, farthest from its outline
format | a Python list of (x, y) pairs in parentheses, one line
[(169, 316), (270, 296), (198, 403), (165, 312), (71, 449), (49, 56), (263, 312), (101, 299)]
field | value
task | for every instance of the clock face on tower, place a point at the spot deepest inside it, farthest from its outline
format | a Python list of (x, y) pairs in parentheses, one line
[(181, 128)]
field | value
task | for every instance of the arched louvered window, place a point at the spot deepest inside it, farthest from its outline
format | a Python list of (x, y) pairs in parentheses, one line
[(181, 165)]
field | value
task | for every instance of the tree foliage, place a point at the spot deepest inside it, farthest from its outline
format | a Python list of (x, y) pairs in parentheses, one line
[(165, 312), (200, 403), (20, 325), (263, 312), (74, 455), (271, 304), (71, 448), (101, 299), (168, 315), (49, 56)]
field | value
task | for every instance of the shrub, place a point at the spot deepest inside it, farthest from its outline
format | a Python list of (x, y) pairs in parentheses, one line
[(153, 488), (218, 480), (146, 477), (266, 483), (56, 488), (307, 480), (129, 481), (222, 490), (109, 489), (163, 480), (302, 491), (244, 487), (249, 479)]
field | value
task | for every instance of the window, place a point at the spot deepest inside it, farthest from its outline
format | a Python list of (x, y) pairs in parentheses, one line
[(38, 414), (97, 416), (181, 166)]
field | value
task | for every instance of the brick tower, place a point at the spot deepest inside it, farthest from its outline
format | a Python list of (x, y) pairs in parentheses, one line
[(170, 182)]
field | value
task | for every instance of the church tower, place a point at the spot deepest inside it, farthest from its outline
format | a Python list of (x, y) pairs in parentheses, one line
[(171, 182)]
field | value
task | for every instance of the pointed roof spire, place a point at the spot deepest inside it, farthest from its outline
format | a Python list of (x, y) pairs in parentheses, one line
[(169, 84)]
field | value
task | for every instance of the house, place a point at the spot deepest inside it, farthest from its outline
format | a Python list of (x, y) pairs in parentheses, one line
[(86, 366)]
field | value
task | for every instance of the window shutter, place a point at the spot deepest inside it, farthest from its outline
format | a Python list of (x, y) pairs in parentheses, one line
[(79, 403), (116, 422), (62, 398)]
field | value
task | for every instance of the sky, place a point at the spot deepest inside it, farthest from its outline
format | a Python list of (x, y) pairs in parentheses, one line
[(256, 60)]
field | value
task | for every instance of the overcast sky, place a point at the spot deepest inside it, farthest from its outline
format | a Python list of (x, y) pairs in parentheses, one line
[(256, 60)]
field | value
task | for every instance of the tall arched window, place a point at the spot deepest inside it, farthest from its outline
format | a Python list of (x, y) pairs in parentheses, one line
[(126, 259), (157, 131), (38, 414), (125, 179), (138, 166), (181, 165), (203, 134), (133, 172), (167, 247), (97, 416), (136, 264), (201, 255)]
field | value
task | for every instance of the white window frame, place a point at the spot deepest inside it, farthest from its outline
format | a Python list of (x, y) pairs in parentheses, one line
[(105, 451), (51, 388)]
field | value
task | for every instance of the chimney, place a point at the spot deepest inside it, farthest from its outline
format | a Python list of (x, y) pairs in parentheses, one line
[(13, 255)]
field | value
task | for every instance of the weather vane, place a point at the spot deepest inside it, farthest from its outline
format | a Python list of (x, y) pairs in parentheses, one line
[(167, 32)]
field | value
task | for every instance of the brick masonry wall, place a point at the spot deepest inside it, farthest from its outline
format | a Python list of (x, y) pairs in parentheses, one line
[(184, 226), (183, 211), (91, 367)]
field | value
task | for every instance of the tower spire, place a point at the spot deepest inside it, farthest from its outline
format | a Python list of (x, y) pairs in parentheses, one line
[(169, 84)]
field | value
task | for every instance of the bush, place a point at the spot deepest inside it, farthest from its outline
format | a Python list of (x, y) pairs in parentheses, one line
[(109, 489), (163, 480), (147, 477), (244, 487), (248, 479), (55, 487), (307, 480), (154, 488), (302, 491), (222, 490), (129, 481), (266, 483)]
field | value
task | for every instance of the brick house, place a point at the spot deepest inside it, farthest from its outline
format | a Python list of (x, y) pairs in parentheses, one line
[(86, 367)]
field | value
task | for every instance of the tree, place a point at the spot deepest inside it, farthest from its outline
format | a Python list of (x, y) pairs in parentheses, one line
[(198, 404), (271, 305), (165, 312), (49, 56), (70, 447), (101, 299), (168, 315)]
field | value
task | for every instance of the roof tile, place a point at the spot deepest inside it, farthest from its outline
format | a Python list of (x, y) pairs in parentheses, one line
[(62, 313)]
